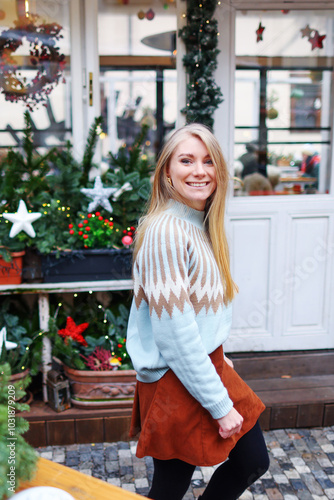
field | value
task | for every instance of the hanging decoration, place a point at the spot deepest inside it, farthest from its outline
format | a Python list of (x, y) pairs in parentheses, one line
[(200, 36), (313, 36), (45, 56), (22, 220), (316, 40), (149, 15), (259, 33)]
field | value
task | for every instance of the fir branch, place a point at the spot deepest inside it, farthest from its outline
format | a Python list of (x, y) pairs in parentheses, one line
[(90, 149)]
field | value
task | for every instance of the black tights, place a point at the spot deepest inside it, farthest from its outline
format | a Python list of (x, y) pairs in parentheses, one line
[(246, 463)]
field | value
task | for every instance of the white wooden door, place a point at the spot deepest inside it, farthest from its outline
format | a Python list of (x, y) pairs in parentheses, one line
[(282, 247)]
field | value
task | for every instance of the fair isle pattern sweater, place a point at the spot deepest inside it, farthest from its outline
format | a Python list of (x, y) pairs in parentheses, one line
[(178, 316)]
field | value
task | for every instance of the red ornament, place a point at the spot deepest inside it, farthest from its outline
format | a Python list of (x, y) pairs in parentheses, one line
[(80, 233), (127, 240), (87, 228), (70, 226), (259, 32), (85, 236), (97, 214), (71, 231), (74, 331), (316, 40), (89, 216), (80, 224), (150, 15)]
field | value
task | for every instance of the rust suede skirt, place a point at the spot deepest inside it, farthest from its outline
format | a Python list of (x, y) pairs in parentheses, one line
[(173, 424)]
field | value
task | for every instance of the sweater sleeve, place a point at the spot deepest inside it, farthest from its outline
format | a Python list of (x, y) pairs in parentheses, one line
[(162, 272)]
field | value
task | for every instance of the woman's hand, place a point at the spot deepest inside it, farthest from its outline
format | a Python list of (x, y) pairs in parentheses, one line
[(230, 424)]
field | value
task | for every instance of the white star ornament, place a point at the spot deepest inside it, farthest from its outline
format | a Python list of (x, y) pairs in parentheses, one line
[(8, 345), (22, 220), (99, 195)]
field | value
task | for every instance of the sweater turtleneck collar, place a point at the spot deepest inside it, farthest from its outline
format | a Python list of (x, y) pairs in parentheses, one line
[(195, 217)]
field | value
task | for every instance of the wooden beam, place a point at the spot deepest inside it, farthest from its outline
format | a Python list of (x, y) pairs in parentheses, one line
[(137, 61)]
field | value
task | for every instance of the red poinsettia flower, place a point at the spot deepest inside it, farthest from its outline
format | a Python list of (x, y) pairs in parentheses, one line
[(74, 331)]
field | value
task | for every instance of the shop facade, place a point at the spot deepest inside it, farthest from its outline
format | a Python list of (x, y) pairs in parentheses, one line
[(124, 62)]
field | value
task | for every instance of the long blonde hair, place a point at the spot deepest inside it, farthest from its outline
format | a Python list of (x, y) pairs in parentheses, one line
[(162, 191)]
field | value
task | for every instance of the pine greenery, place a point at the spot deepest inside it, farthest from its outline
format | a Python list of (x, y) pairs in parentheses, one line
[(200, 36), (51, 184), (25, 456), (131, 165)]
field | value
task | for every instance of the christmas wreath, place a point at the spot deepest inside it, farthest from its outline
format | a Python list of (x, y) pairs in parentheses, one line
[(44, 55)]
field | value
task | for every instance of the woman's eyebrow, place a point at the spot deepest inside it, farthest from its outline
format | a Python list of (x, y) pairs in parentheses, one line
[(186, 154)]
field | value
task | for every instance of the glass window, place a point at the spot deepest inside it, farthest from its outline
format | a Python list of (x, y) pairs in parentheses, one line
[(284, 68), (34, 74), (137, 66)]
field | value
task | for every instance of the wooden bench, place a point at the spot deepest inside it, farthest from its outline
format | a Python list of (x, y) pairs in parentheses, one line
[(77, 484)]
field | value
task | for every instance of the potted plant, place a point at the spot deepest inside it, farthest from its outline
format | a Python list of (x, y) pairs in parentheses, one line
[(94, 357), (17, 458), (100, 250)]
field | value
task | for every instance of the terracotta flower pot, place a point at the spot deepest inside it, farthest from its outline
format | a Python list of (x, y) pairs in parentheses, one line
[(101, 389), (16, 378), (11, 272)]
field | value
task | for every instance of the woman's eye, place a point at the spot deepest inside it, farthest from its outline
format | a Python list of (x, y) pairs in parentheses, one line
[(209, 162), (185, 161)]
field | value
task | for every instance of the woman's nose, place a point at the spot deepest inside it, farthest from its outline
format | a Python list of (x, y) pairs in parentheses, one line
[(199, 169)]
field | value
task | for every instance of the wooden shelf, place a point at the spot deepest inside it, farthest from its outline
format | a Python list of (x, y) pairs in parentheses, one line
[(77, 286)]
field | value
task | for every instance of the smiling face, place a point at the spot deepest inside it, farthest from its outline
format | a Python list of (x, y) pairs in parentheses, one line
[(192, 172)]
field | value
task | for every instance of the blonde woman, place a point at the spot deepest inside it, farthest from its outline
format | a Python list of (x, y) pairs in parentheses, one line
[(191, 407)]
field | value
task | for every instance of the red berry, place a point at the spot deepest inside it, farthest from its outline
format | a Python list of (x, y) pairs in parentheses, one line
[(70, 226), (85, 236), (87, 228), (80, 224), (71, 231)]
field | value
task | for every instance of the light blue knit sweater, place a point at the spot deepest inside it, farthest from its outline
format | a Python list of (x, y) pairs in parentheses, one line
[(178, 316)]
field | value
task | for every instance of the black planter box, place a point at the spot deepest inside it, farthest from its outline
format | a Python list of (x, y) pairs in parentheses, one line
[(87, 265)]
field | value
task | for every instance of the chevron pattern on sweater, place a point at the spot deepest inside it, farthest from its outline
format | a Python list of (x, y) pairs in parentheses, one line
[(175, 266)]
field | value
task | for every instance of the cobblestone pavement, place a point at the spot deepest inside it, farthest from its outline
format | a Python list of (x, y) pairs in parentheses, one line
[(301, 466)]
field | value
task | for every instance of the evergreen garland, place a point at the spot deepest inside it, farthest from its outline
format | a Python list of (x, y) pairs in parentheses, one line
[(200, 36)]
